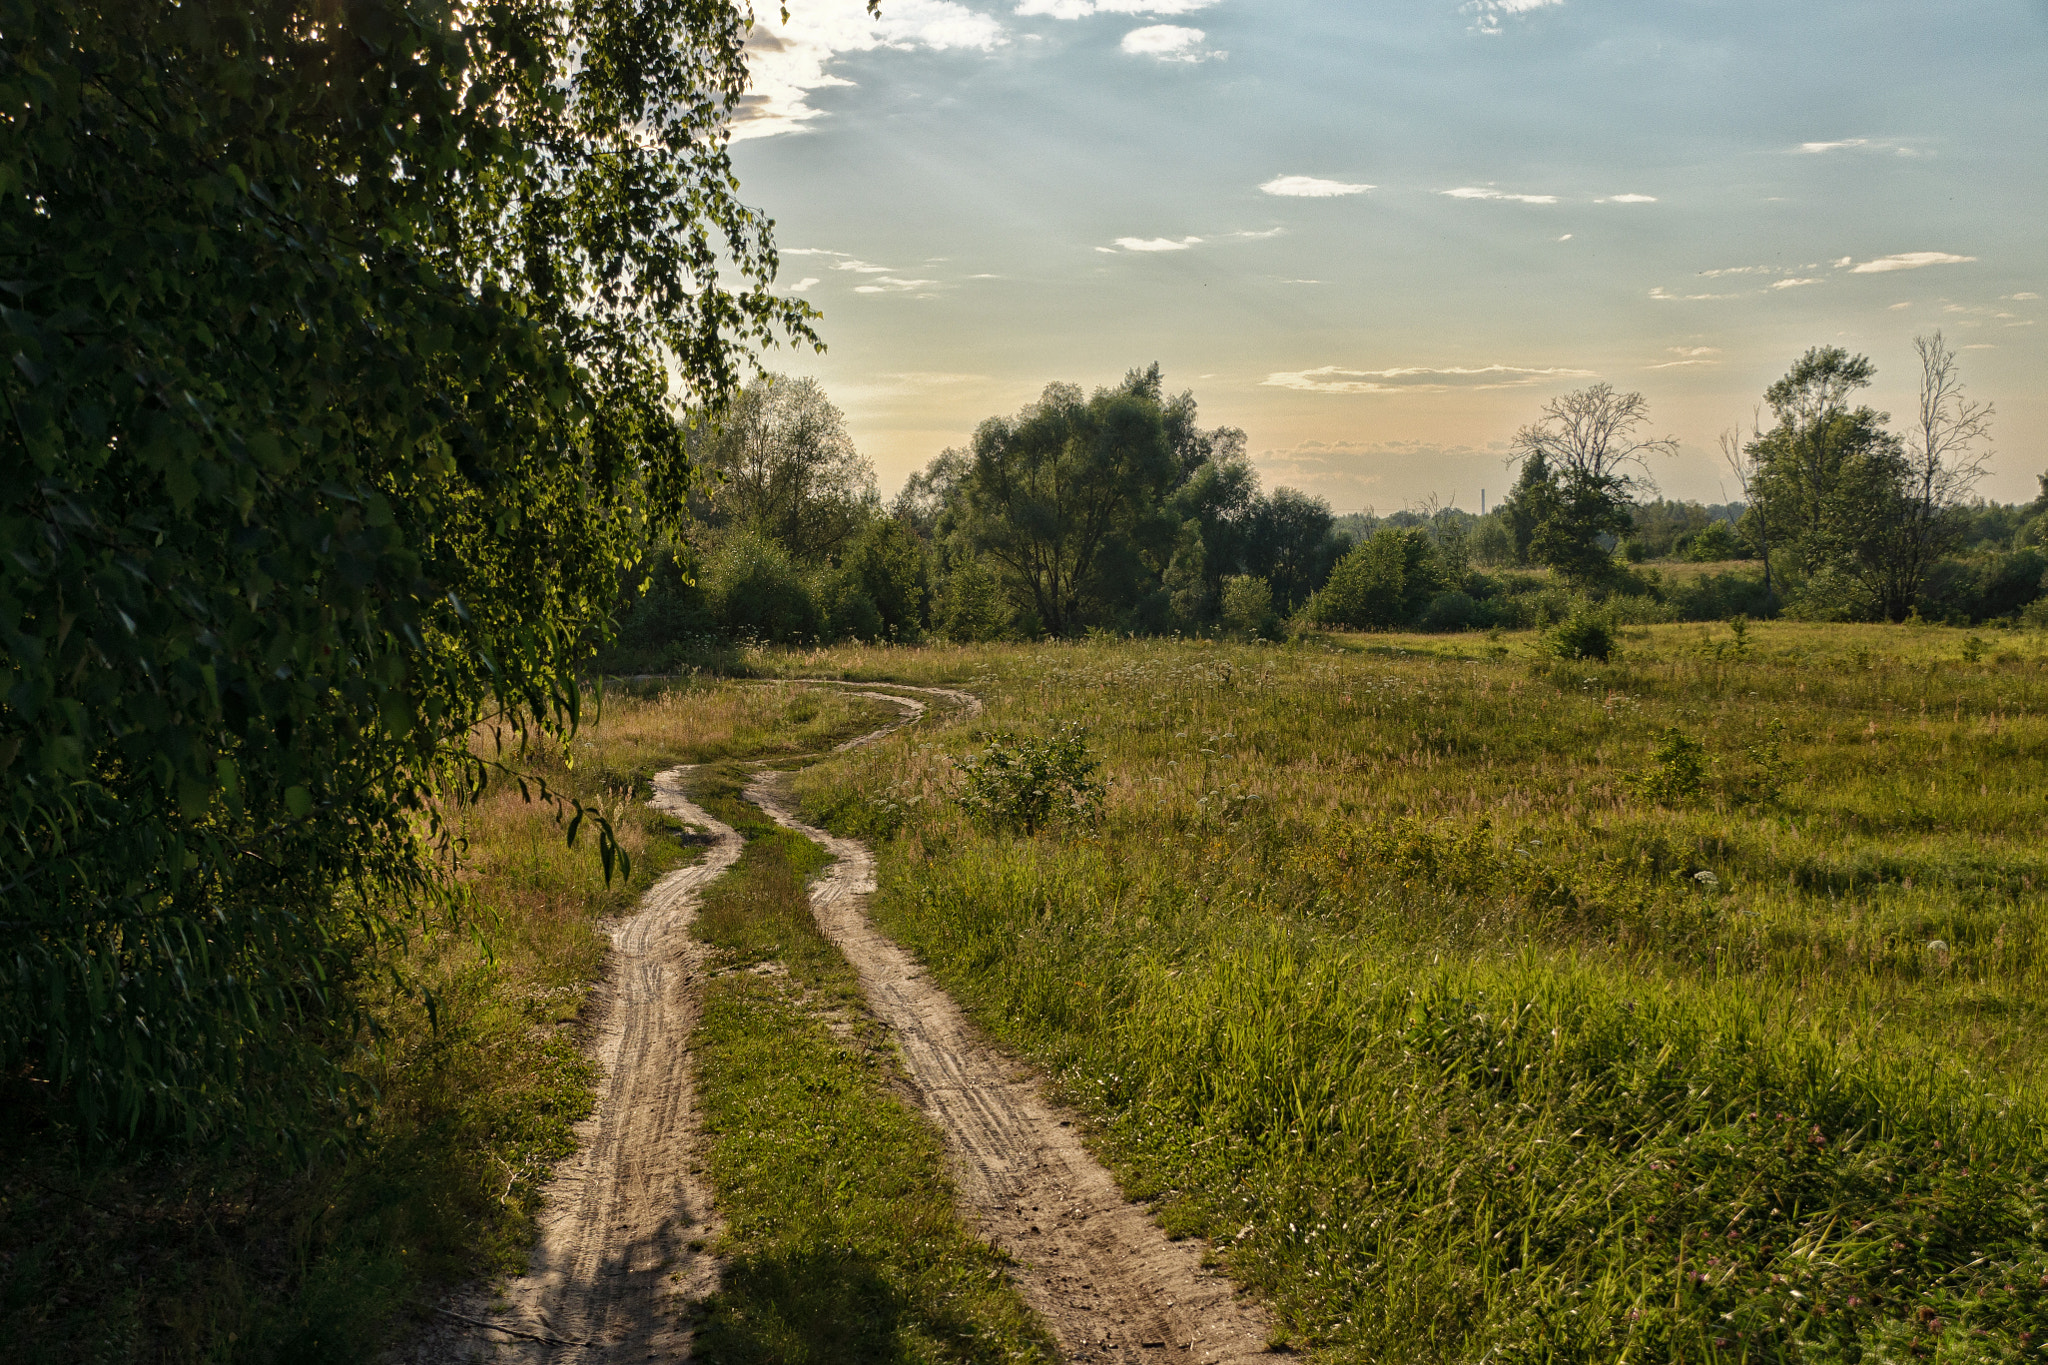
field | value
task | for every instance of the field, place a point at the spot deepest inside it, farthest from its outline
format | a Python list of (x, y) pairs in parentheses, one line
[(1473, 1004), (1483, 1006)]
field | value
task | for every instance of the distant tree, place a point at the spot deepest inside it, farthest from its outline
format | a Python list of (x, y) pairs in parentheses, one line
[(1068, 484), (787, 468), (1832, 481), (887, 565), (1289, 539), (1526, 502), (1248, 605), (1593, 462), (1943, 462)]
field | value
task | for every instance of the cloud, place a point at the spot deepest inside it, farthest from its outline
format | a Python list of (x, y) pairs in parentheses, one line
[(1688, 355), (1566, 238), (864, 267), (1487, 14), (1739, 270), (1659, 294), (1792, 283), (1908, 260), (1896, 146), (1169, 43), (805, 283), (1415, 379), (1628, 199), (1310, 187), (2022, 296), (1483, 192), (1154, 243), (788, 61), (1081, 9), (890, 284), (1897, 306), (1843, 262), (932, 379), (1260, 234), (808, 251)]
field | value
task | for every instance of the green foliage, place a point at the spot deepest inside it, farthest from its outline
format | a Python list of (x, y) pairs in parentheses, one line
[(1677, 770), (1384, 582), (973, 607), (339, 390), (888, 563), (1588, 633), (1026, 783), (756, 592), (1248, 605), (1718, 541)]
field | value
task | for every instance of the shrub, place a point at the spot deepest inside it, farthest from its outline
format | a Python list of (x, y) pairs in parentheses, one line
[(756, 592), (1585, 634), (1454, 611), (1678, 768), (972, 606), (1248, 604), (1025, 783), (1383, 582)]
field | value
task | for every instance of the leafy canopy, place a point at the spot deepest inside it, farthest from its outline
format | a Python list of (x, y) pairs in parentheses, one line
[(349, 349)]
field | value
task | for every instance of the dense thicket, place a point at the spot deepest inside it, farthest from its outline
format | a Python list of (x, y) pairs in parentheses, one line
[(344, 344)]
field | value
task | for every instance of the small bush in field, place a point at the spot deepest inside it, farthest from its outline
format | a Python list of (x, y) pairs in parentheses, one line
[(1027, 783), (1585, 634), (1248, 605), (1678, 768)]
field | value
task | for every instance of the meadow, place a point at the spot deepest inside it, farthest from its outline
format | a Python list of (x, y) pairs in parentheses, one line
[(1481, 1005)]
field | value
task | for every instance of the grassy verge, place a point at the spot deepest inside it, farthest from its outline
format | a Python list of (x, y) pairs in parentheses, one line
[(841, 1241), (231, 1257), (1390, 967)]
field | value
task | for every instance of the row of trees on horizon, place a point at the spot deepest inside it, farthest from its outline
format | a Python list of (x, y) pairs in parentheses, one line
[(1118, 511)]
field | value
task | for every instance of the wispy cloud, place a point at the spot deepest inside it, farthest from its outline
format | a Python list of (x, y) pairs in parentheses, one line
[(1660, 294), (788, 61), (862, 267), (805, 283), (1488, 14), (1738, 270), (1908, 260), (890, 284), (1793, 283), (2022, 297), (1260, 234), (1169, 43), (1416, 378), (1487, 192), (1312, 187), (1154, 243), (1688, 355), (1896, 146), (1628, 199), (1897, 306)]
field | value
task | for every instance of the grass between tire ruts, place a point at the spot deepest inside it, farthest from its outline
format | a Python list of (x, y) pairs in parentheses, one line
[(842, 1243)]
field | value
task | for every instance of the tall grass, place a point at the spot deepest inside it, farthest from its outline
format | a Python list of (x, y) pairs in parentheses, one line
[(1388, 968), (472, 1077)]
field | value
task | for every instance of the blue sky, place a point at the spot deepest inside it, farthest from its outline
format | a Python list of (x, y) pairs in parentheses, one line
[(1378, 236)]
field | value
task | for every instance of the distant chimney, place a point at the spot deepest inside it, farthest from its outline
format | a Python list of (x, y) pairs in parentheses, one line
[(1482, 502)]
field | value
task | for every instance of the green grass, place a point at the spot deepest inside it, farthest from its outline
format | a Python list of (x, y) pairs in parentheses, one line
[(231, 1257), (841, 1240), (1385, 970)]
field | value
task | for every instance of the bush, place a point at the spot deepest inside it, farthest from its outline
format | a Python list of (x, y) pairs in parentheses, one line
[(1248, 605), (755, 592), (1381, 583), (887, 563), (1455, 611), (1028, 784), (1585, 634), (1678, 768), (972, 606), (1716, 543), (1717, 597)]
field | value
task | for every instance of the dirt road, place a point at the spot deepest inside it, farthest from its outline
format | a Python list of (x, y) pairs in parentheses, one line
[(1093, 1264), (620, 1251)]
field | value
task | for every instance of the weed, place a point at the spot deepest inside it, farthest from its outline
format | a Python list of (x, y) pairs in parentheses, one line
[(1025, 783)]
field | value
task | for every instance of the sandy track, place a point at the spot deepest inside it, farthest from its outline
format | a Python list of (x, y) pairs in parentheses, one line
[(1093, 1264), (614, 1258)]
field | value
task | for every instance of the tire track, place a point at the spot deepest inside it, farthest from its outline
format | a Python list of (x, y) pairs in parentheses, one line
[(615, 1259), (1104, 1276)]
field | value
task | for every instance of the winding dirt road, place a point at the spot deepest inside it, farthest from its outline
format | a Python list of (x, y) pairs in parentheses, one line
[(615, 1264)]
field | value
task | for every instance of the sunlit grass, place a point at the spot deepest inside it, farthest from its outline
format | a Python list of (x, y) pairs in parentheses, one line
[(1383, 970)]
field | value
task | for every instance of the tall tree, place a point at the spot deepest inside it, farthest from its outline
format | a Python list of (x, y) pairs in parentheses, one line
[(1595, 460), (347, 347), (1944, 460), (787, 468), (1061, 488)]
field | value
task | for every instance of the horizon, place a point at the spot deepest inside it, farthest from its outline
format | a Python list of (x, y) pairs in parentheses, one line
[(1380, 241)]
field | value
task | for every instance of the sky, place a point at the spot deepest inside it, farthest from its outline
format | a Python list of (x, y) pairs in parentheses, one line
[(1379, 235)]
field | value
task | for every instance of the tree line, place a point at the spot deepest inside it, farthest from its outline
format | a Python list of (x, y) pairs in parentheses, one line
[(1117, 511)]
